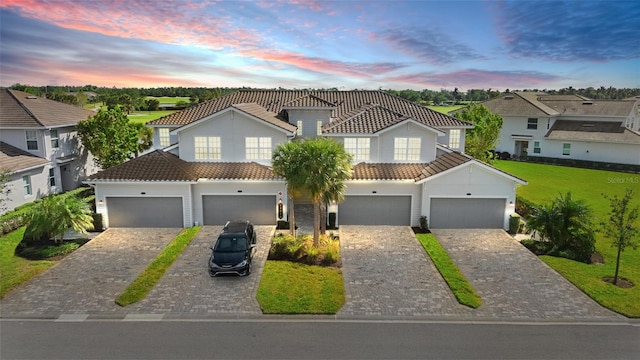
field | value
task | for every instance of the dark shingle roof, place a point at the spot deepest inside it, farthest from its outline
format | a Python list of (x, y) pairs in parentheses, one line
[(604, 131), (617, 108), (22, 110), (13, 159), (345, 102), (162, 166)]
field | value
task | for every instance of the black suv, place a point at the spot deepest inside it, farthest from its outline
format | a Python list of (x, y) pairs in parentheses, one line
[(234, 249)]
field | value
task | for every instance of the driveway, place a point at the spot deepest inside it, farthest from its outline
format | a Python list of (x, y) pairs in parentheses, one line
[(513, 282), (387, 273), (89, 280), (187, 288)]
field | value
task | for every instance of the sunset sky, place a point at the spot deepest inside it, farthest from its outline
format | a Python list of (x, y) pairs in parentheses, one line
[(321, 44)]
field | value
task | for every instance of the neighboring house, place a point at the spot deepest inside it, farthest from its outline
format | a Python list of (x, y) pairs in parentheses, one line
[(568, 127), (39, 147), (212, 163)]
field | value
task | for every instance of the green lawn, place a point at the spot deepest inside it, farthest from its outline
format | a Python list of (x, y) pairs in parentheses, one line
[(293, 288), (445, 109), (169, 99), (146, 116), (546, 182), (143, 284), (15, 270), (461, 288)]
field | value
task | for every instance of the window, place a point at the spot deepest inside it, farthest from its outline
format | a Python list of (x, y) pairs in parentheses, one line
[(52, 177), (536, 147), (532, 124), (566, 149), (54, 139), (165, 140), (208, 148), (406, 149), (258, 148), (26, 184), (358, 147), (319, 127), (299, 130), (454, 138), (32, 140)]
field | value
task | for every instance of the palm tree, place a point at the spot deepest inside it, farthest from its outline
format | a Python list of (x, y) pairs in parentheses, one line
[(287, 162), (145, 134), (54, 215)]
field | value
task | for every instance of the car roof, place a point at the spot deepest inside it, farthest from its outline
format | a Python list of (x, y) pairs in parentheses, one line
[(236, 226)]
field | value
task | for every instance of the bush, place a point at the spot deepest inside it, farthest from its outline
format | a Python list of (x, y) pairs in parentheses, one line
[(300, 249), (97, 222), (514, 223), (424, 224), (537, 247), (524, 207), (46, 250)]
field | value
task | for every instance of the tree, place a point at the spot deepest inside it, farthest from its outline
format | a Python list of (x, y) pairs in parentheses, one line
[(109, 136), (4, 190), (54, 215), (317, 166), (145, 136), (484, 135), (566, 224), (621, 225)]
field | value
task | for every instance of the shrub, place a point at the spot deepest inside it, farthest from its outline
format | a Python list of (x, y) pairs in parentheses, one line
[(537, 247), (97, 222), (301, 249), (524, 207), (424, 224), (514, 223)]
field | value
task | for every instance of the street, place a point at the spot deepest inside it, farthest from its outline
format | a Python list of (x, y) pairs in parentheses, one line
[(290, 338)]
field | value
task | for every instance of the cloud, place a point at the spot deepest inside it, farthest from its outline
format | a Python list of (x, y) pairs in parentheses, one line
[(595, 31), (473, 78)]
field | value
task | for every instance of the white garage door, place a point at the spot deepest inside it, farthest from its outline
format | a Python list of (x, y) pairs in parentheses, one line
[(145, 211), (375, 210), (467, 213), (259, 209)]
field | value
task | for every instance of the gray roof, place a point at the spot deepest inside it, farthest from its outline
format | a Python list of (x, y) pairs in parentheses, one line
[(22, 110), (341, 103), (13, 159), (597, 131)]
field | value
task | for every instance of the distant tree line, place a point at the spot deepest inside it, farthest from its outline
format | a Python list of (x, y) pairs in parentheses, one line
[(136, 98)]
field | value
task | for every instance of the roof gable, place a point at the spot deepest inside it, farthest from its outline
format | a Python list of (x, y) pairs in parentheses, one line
[(23, 110), (309, 101)]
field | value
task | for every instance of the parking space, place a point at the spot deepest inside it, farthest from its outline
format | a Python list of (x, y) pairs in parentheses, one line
[(513, 282), (187, 287)]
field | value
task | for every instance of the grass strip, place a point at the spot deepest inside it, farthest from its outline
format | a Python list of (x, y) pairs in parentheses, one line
[(15, 270), (294, 288), (461, 288), (143, 284)]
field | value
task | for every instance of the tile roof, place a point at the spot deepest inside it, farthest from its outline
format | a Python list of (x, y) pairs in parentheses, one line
[(601, 131), (411, 171), (260, 112), (13, 159), (309, 101), (345, 102), (163, 166), (369, 119), (22, 110)]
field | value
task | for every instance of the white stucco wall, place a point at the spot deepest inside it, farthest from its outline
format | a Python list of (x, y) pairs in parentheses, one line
[(386, 139), (232, 127), (156, 136), (470, 181), (445, 139), (18, 138), (130, 189), (517, 125), (39, 187), (592, 151), (309, 118), (387, 188)]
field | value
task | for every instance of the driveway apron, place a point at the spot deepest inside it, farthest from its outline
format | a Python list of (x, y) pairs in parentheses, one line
[(387, 273), (513, 282), (89, 280), (187, 288)]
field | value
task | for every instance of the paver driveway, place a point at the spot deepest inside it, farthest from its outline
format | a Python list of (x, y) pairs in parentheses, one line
[(187, 288), (89, 280), (513, 282)]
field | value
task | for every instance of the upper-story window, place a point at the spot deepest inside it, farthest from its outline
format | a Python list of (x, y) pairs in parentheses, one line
[(26, 184), (454, 138), (406, 149), (52, 177), (165, 140), (358, 147), (55, 142), (208, 148), (299, 130), (319, 127), (258, 148), (32, 140), (532, 124)]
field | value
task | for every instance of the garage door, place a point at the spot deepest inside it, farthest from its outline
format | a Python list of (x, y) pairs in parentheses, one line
[(467, 213), (259, 209), (375, 210), (145, 212)]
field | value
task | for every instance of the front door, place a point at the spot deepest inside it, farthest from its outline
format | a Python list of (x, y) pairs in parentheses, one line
[(522, 149)]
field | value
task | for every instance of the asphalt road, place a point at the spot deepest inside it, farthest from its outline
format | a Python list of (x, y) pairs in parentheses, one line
[(302, 339)]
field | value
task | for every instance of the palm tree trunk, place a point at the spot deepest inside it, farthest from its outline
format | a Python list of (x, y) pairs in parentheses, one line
[(316, 223), (323, 218), (292, 217)]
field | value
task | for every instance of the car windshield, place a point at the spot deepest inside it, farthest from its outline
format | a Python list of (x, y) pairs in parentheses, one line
[(230, 244)]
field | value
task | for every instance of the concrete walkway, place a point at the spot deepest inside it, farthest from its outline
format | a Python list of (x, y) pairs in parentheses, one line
[(513, 282)]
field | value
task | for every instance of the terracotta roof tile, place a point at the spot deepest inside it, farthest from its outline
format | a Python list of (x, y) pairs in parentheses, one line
[(261, 113), (13, 159), (369, 119), (23, 110), (345, 102), (233, 171), (309, 101), (412, 171)]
